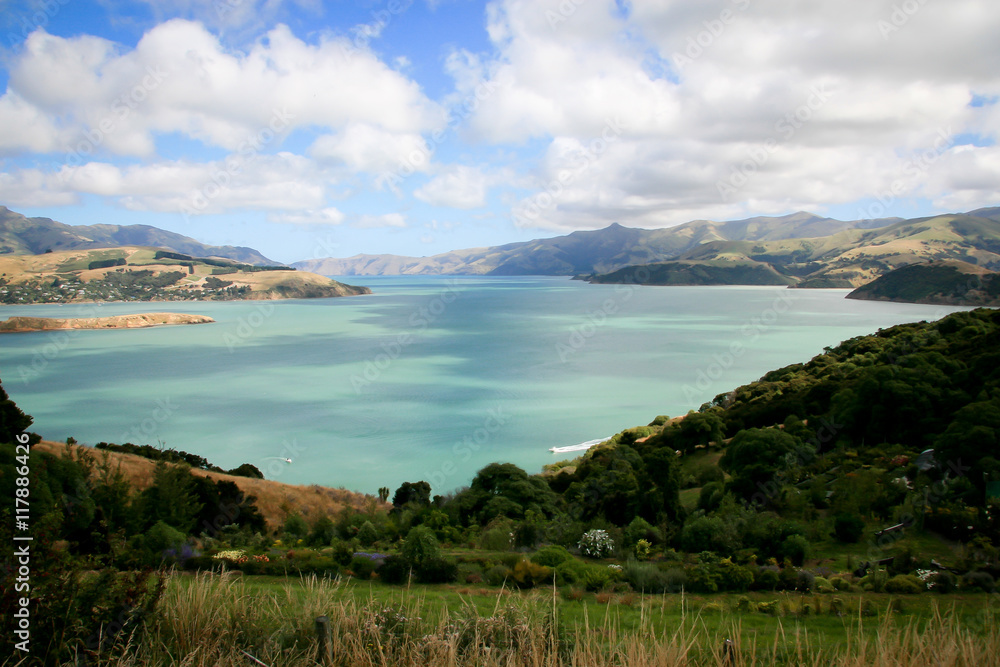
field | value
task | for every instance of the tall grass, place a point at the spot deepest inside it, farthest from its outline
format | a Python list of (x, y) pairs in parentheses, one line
[(222, 620)]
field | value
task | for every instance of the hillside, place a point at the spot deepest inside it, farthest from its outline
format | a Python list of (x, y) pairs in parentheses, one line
[(852, 257), (697, 273), (946, 282), (146, 274), (589, 252), (275, 500), (20, 235)]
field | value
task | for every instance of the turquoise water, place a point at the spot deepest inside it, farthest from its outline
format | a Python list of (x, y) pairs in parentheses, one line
[(428, 378)]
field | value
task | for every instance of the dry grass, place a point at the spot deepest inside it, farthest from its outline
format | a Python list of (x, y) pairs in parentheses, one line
[(274, 499), (218, 620)]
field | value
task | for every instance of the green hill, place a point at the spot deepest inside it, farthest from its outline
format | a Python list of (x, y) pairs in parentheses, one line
[(944, 282)]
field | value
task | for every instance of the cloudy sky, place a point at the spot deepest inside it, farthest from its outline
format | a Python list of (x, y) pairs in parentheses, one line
[(309, 129)]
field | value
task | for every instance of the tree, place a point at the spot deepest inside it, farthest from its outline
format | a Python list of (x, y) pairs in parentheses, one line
[(420, 547), (415, 493), (13, 421), (172, 498), (754, 457), (848, 527), (383, 493), (698, 428)]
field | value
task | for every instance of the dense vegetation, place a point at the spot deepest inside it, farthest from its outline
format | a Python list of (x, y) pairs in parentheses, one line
[(936, 282), (871, 468), (176, 456), (687, 273)]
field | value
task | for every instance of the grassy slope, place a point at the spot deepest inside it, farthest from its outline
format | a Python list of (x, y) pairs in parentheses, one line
[(273, 498), (73, 264)]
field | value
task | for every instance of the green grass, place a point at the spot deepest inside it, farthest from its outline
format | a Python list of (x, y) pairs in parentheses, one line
[(205, 616)]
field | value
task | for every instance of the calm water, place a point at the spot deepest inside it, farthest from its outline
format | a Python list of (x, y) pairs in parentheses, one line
[(429, 378)]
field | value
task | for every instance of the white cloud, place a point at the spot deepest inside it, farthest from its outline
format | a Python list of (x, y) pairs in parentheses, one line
[(180, 78), (459, 187), (803, 105), (325, 216), (379, 221), (362, 147)]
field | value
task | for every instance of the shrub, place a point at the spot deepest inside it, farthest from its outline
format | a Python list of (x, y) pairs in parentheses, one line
[(875, 582), (497, 575), (840, 584), (704, 578), (640, 529), (904, 584), (421, 545), (596, 544), (342, 553), (942, 582), (804, 581), (770, 608), (745, 605), (795, 548), (163, 537), (528, 574), (982, 581), (394, 570), (367, 534), (734, 577), (551, 556), (823, 585), (848, 527), (436, 570), (362, 567), (836, 606), (767, 579), (645, 577), (675, 580)]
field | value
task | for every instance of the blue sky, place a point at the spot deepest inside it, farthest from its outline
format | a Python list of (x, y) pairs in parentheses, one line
[(312, 129)]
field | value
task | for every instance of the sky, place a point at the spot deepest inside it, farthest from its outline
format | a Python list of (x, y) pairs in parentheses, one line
[(310, 129)]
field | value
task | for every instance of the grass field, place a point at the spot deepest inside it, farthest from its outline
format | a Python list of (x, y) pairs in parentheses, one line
[(221, 619)]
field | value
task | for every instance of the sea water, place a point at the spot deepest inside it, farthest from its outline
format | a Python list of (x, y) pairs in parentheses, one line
[(429, 378)]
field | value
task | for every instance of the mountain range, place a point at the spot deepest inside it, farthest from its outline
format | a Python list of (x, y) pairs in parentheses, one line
[(587, 252), (20, 235)]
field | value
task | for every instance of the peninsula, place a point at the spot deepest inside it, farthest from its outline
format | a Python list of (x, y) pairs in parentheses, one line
[(19, 324)]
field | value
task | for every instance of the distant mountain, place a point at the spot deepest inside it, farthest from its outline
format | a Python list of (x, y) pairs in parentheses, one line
[(20, 235), (600, 251), (848, 258), (946, 282)]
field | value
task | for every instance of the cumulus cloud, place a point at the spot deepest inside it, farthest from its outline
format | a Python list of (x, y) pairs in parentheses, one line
[(731, 107), (459, 187), (397, 220), (325, 216), (362, 147), (180, 79)]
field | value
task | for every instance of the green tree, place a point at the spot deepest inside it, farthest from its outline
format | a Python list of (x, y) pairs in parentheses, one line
[(420, 546), (754, 457), (171, 499), (412, 493)]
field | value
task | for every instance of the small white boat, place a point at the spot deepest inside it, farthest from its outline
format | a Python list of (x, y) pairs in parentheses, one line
[(583, 446)]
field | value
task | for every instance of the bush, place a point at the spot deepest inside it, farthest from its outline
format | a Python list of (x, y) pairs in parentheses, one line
[(848, 527), (767, 579), (840, 584), (394, 570), (362, 567), (795, 548), (745, 605), (367, 534), (596, 544), (734, 577), (675, 580), (823, 585), (162, 537), (875, 582), (527, 574), (645, 577), (437, 571), (982, 581), (904, 584), (942, 582), (421, 546), (640, 529), (552, 556), (770, 608), (804, 581), (497, 575)]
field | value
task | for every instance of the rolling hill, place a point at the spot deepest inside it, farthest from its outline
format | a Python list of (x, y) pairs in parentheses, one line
[(848, 258), (587, 252), (131, 273), (945, 282), (20, 235)]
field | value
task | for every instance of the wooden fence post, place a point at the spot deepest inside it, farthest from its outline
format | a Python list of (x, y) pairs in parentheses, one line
[(324, 641)]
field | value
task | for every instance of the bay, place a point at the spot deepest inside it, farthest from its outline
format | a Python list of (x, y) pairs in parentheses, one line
[(428, 378)]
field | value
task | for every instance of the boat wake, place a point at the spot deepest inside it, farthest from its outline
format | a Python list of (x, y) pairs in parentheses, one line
[(583, 446)]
